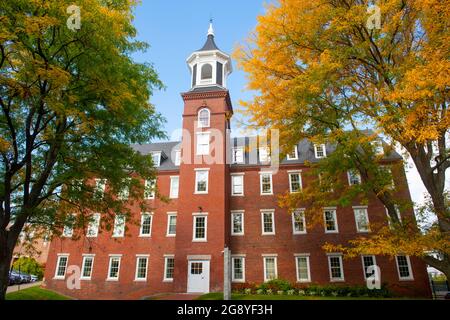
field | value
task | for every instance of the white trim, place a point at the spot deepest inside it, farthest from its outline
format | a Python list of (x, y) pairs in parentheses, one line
[(169, 215), (199, 213), (93, 225), (275, 265), (341, 266), (111, 257), (83, 264), (166, 257), (296, 154), (199, 124), (233, 153), (242, 258), (411, 275), (349, 178), (117, 219), (334, 218), (241, 212), (148, 184), (302, 255), (172, 193), (58, 261), (355, 209), (138, 257), (194, 217), (362, 261), (272, 212), (232, 185), (196, 181), (143, 215), (299, 180), (203, 133), (261, 174), (324, 151), (293, 221)]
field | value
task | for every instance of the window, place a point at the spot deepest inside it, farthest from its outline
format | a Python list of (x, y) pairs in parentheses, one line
[(268, 222), (397, 211), (336, 268), (264, 155), (146, 224), (388, 175), (203, 118), (270, 268), (169, 265), (237, 223), (293, 155), (114, 268), (237, 155), (177, 158), (237, 184), (174, 185), (368, 261), (119, 226), (141, 268), (149, 189), (377, 146), (201, 181), (354, 178), (202, 143), (404, 268), (100, 187), (361, 219), (61, 266), (330, 221), (125, 190), (320, 151), (295, 182), (156, 158), (298, 221), (171, 224), (206, 72), (237, 269), (68, 227), (196, 268), (266, 183), (94, 223), (302, 265), (200, 225), (87, 266)]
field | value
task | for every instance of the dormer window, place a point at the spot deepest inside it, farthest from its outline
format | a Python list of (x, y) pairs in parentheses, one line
[(203, 118), (156, 157), (320, 151), (207, 72)]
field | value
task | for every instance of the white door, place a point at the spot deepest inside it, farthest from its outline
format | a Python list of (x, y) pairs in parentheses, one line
[(198, 276)]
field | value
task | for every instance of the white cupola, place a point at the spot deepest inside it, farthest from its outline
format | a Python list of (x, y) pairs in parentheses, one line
[(209, 66)]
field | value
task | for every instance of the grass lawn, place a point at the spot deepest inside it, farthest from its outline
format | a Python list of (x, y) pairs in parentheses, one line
[(35, 293), (219, 296)]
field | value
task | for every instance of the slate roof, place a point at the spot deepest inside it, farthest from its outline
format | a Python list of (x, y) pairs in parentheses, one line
[(208, 88), (305, 153), (210, 44)]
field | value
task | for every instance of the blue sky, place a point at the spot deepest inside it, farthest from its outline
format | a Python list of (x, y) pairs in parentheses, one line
[(174, 29)]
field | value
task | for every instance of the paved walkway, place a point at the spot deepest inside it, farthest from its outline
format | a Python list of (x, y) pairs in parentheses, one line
[(174, 296), (22, 286)]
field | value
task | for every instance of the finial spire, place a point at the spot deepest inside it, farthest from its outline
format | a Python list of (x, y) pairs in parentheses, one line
[(211, 30)]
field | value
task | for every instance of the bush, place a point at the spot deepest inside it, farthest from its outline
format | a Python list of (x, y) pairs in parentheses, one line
[(29, 266), (276, 285)]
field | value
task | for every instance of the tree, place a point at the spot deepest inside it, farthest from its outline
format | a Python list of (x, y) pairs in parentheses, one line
[(72, 103), (29, 266), (324, 71)]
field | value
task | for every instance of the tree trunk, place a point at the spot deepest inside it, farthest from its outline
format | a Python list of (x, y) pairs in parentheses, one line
[(5, 263)]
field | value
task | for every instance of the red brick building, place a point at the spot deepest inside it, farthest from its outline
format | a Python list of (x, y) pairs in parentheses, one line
[(230, 202)]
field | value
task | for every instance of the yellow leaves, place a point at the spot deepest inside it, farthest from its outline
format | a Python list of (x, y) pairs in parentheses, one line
[(37, 25), (4, 145)]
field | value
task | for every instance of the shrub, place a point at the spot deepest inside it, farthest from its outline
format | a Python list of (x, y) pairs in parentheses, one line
[(276, 285), (29, 266)]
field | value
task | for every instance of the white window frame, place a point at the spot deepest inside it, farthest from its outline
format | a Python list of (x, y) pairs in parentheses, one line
[(261, 174), (237, 257), (302, 212), (177, 160), (241, 213), (302, 255), (272, 213), (68, 229), (288, 156), (233, 175), (194, 224), (378, 147), (290, 174), (362, 262), (119, 226), (100, 187), (169, 216), (411, 275), (200, 124), (83, 265), (349, 177), (172, 193), (323, 146), (234, 159), (167, 257), (143, 216), (93, 226), (149, 194), (58, 262), (264, 151), (138, 257), (336, 255), (355, 210), (201, 151), (270, 256), (197, 174), (158, 162), (334, 218), (111, 257)]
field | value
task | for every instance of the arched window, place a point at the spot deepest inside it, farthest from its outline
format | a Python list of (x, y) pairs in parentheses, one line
[(206, 72), (203, 118)]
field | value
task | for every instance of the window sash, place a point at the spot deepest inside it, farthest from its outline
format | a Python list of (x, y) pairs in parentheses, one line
[(295, 182), (237, 223), (368, 261), (238, 155), (264, 155), (335, 265), (174, 187), (149, 189), (330, 221), (362, 220), (61, 266), (237, 185), (200, 227), (87, 267), (404, 267), (320, 151), (171, 225), (119, 226), (303, 271), (203, 143), (266, 183), (141, 268), (354, 178), (268, 223), (298, 221), (169, 266), (114, 268), (293, 155), (146, 224), (270, 268), (201, 181), (93, 226), (238, 269)]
